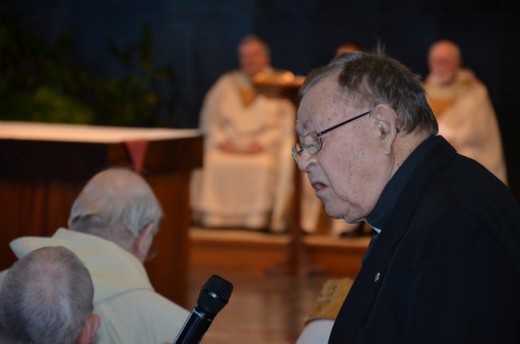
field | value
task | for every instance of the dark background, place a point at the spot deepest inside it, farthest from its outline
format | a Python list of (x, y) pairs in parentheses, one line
[(198, 38)]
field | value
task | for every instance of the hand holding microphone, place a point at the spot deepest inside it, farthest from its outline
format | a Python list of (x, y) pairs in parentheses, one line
[(214, 295)]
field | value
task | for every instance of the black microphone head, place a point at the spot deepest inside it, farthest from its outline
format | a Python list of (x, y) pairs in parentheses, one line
[(214, 295)]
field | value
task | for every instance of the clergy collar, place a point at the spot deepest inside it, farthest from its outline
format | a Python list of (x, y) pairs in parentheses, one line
[(385, 205)]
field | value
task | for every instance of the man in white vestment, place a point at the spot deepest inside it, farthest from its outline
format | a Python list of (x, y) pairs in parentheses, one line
[(111, 227), (248, 136), (463, 108)]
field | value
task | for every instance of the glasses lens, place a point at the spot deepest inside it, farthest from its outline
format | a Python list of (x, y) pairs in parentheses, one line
[(311, 143)]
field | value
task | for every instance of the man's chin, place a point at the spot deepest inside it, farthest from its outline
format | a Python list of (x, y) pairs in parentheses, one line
[(334, 213), (442, 80)]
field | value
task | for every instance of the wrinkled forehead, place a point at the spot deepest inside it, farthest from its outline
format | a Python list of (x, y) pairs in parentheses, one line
[(444, 51), (323, 103), (250, 48)]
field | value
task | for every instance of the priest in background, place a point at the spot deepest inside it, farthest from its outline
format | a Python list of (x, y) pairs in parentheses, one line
[(248, 137), (463, 108)]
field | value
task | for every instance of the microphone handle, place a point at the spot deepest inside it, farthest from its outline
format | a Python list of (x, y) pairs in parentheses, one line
[(194, 328)]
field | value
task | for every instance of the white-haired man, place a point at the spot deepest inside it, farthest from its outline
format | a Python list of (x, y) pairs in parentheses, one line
[(46, 297), (112, 226)]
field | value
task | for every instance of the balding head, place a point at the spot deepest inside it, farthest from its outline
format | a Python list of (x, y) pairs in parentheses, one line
[(444, 61), (116, 204), (46, 297), (253, 55), (347, 47)]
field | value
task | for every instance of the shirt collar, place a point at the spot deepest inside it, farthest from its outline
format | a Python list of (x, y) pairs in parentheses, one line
[(385, 205)]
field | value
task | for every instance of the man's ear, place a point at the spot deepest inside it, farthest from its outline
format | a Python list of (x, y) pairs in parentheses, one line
[(143, 242), (386, 127), (88, 332), (383, 129)]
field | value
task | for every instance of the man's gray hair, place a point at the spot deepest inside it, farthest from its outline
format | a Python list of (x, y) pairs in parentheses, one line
[(373, 78), (46, 297), (116, 204)]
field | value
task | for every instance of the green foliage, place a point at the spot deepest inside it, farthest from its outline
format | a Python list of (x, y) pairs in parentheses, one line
[(40, 81), (52, 106), (136, 96)]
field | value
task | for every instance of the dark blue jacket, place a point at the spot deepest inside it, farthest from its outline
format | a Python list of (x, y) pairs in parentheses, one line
[(446, 267)]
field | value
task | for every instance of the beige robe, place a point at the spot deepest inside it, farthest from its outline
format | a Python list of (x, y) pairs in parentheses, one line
[(124, 299), (467, 120), (244, 190)]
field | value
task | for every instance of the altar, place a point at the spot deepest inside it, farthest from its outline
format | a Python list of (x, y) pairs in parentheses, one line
[(44, 167)]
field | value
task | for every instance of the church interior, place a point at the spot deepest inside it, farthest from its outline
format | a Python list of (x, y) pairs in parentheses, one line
[(147, 115)]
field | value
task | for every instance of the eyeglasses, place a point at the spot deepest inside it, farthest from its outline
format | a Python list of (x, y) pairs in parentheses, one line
[(311, 142)]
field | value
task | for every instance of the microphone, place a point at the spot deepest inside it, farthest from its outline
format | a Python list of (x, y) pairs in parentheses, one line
[(214, 295)]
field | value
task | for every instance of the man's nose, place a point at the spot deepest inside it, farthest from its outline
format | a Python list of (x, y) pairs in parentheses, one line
[(304, 161)]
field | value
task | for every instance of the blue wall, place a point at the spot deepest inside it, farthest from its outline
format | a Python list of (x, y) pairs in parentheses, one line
[(199, 37)]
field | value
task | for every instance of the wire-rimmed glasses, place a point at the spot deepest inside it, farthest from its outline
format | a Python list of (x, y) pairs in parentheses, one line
[(312, 143)]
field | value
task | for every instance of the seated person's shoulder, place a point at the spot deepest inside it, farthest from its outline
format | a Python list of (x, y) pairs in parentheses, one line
[(144, 306), (2, 276), (148, 317), (316, 332)]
